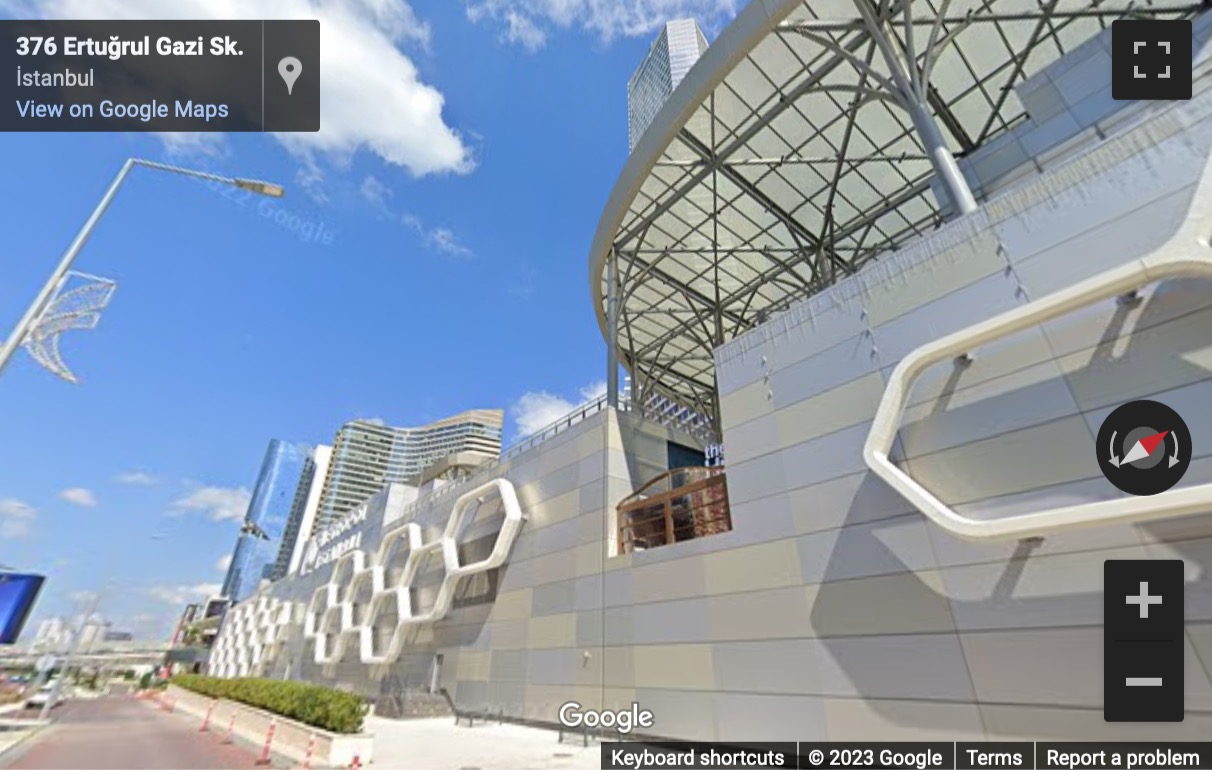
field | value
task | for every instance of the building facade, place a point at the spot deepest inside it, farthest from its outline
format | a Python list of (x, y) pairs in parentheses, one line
[(672, 54), (831, 604), (266, 522), (367, 456)]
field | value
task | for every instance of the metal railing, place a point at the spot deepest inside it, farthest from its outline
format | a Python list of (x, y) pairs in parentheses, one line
[(682, 504)]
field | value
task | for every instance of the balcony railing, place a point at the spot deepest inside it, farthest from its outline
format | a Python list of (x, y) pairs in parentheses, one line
[(679, 505)]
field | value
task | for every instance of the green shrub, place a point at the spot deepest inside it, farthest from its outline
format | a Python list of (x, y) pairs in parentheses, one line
[(332, 710)]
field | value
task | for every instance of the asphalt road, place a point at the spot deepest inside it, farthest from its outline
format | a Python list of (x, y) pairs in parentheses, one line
[(120, 731)]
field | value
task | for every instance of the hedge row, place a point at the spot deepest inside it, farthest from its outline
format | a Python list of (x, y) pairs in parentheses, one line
[(332, 710)]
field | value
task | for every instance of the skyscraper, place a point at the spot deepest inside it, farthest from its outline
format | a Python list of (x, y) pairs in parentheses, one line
[(670, 57), (265, 523), (302, 511), (367, 457)]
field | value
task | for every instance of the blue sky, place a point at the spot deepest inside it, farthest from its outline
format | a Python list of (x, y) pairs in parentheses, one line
[(457, 187)]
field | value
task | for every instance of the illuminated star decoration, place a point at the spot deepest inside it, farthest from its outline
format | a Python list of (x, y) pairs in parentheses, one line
[(78, 308)]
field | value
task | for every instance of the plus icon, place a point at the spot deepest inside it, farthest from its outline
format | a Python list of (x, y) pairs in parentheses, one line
[(1144, 600), (1150, 59)]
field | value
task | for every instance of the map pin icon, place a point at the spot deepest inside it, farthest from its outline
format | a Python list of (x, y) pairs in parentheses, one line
[(290, 68)]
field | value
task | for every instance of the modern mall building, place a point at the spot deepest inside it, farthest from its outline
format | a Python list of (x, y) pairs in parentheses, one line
[(904, 258)]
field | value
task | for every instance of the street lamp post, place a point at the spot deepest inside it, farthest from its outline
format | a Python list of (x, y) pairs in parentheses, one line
[(78, 642), (47, 293)]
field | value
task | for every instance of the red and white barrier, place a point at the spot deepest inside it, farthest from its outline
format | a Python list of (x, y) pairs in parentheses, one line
[(230, 725), (311, 746), (356, 764), (206, 721), (269, 739)]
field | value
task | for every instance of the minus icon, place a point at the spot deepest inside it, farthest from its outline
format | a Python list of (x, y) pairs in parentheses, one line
[(1144, 681)]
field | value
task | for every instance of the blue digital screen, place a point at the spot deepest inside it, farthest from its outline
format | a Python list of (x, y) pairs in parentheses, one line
[(17, 595)]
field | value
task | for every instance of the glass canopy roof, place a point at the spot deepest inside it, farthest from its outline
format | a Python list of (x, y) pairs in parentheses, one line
[(787, 159)]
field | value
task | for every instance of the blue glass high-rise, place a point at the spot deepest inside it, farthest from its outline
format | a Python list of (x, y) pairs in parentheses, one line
[(265, 523)]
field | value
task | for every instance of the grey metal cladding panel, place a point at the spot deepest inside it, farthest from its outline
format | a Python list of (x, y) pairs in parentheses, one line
[(811, 329), (1088, 71), (845, 501), (1049, 133), (1019, 400), (554, 667), (508, 698), (592, 495), (975, 302), (740, 369), (509, 665), (772, 718), (618, 626), (1192, 402), (838, 365), (911, 666), (753, 438), (865, 550), (1109, 245), (686, 714), (591, 629), (589, 592), (682, 620), (560, 536), (826, 457), (1098, 104), (751, 478), (619, 587), (553, 598), (783, 666)]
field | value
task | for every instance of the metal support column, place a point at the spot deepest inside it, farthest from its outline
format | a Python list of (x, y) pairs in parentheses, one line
[(913, 98), (612, 330)]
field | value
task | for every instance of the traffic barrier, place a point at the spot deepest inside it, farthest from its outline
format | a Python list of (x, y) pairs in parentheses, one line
[(230, 725), (206, 720), (172, 704), (356, 764), (269, 739), (311, 745)]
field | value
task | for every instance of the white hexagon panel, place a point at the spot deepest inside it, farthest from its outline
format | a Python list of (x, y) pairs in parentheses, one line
[(334, 617), (252, 634)]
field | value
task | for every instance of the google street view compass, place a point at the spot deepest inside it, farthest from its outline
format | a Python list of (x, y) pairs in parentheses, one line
[(1143, 447)]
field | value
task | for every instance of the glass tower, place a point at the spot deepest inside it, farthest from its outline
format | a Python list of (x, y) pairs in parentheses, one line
[(671, 56), (268, 513)]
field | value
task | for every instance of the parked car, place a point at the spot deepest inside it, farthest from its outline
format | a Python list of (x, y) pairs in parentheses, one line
[(40, 698)]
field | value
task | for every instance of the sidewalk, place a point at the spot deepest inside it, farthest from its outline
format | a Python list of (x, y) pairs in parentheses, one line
[(437, 744)]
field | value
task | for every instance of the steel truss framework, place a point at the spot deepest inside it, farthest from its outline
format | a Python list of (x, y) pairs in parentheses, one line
[(776, 171)]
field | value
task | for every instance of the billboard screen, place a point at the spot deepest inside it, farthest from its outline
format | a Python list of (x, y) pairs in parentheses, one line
[(17, 594)]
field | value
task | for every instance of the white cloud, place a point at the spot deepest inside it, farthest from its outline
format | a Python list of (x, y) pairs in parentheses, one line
[(440, 239), (373, 421), (528, 22), (223, 563), (220, 503), (537, 409), (372, 95), (136, 478), (79, 496), (16, 517), (178, 595), (375, 192)]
